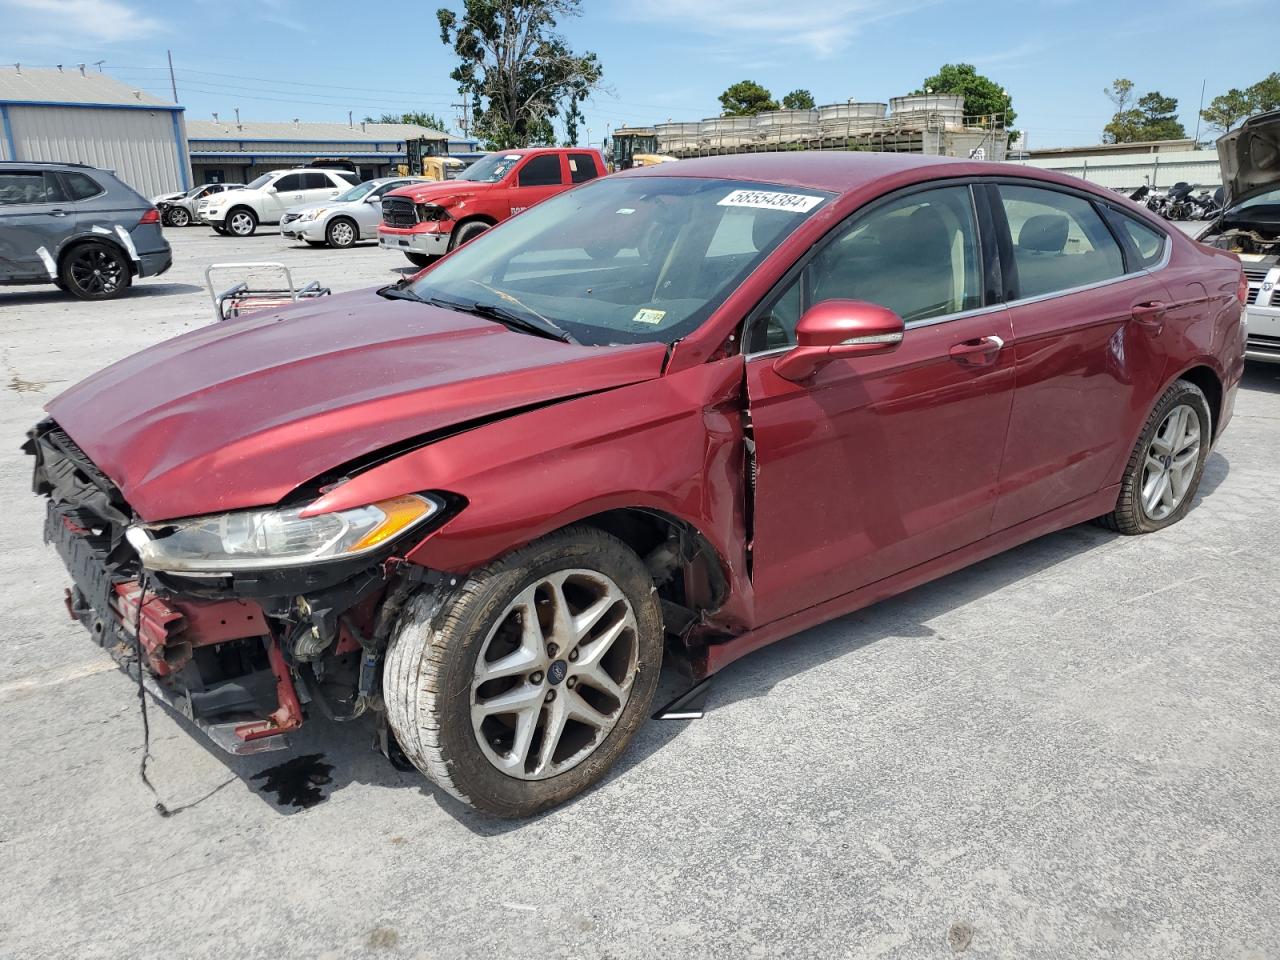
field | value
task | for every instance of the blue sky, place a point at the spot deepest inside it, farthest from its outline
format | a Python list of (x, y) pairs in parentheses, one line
[(663, 59)]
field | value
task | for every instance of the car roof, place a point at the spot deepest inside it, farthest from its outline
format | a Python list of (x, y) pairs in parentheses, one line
[(49, 163), (836, 171)]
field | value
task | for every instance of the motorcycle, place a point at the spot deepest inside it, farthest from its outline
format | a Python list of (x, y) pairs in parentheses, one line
[(1178, 205)]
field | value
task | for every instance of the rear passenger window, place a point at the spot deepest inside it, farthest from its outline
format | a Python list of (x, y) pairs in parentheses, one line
[(317, 181), (81, 187), (541, 171), (29, 187), (293, 181), (1059, 241), (582, 167), (1148, 241)]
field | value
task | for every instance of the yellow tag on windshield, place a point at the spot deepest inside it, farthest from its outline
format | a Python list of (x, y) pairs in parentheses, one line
[(648, 316)]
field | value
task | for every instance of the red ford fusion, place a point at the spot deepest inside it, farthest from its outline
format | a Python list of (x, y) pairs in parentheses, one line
[(678, 413)]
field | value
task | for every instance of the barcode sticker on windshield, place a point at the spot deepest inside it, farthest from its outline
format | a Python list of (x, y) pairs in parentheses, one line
[(648, 316), (768, 200)]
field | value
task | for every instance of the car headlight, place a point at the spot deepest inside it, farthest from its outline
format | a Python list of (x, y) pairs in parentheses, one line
[(430, 211), (312, 214), (259, 539)]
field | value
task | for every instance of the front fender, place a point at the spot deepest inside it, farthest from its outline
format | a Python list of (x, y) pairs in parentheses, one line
[(672, 444)]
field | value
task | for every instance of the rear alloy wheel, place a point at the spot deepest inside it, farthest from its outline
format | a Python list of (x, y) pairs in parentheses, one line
[(1163, 473), (466, 233), (341, 233), (242, 222), (179, 217), (95, 271), (517, 688)]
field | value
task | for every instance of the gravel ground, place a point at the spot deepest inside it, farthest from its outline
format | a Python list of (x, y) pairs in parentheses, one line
[(1069, 750)]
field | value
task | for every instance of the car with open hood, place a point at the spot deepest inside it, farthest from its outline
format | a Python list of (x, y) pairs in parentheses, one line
[(1249, 224), (674, 414)]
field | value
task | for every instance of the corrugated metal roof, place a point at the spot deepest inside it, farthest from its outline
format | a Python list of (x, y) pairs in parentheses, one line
[(287, 130), (70, 86)]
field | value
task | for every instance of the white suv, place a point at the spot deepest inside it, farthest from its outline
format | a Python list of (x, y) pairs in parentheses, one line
[(265, 200)]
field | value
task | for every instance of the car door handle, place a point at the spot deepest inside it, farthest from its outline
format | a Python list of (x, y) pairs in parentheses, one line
[(1151, 312), (977, 353), (57, 213)]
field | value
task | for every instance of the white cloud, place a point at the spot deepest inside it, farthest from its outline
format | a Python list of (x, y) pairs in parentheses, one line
[(822, 30), (107, 21)]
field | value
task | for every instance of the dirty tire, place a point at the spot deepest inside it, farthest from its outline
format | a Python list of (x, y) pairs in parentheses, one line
[(431, 661), (420, 259), (1129, 516), (466, 233)]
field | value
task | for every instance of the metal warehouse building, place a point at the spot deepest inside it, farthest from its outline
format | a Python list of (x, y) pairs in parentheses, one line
[(238, 152), (85, 117)]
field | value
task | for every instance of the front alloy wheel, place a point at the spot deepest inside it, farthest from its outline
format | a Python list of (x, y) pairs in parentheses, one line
[(554, 674), (517, 687), (179, 217), (242, 222)]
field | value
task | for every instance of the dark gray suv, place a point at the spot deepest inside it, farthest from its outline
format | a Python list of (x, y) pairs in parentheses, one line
[(77, 227)]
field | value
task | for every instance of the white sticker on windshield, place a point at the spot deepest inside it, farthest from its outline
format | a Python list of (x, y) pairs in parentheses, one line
[(768, 200), (648, 316), (512, 156), (626, 211)]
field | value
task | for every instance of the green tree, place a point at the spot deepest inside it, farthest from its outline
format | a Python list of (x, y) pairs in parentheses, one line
[(421, 118), (746, 98), (983, 97), (519, 73), (798, 100), (1226, 110), (1265, 94), (1152, 117), (572, 117)]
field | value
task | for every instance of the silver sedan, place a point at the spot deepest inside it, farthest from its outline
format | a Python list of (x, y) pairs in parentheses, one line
[(342, 221)]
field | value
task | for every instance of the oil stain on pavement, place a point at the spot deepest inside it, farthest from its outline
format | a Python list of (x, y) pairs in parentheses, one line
[(297, 782)]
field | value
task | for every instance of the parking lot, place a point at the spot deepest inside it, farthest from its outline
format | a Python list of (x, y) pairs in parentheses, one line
[(1069, 750)]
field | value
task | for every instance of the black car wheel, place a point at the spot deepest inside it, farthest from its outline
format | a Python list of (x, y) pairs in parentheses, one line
[(242, 222), (419, 259), (466, 233), (95, 271)]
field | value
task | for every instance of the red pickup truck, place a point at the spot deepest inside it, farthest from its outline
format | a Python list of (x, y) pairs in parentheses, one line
[(428, 220)]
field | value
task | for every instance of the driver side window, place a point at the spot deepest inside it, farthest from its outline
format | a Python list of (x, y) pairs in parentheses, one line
[(917, 255)]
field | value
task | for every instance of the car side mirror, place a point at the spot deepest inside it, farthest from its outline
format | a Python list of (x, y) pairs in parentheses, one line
[(372, 199), (838, 330)]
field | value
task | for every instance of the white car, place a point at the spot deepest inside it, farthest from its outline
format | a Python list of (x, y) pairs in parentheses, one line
[(239, 212), (353, 216)]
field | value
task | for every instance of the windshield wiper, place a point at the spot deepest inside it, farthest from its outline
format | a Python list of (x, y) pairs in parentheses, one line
[(525, 323)]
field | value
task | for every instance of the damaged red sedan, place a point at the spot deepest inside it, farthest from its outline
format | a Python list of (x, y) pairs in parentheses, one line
[(684, 411)]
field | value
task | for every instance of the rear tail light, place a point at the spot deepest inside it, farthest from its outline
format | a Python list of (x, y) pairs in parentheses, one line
[(151, 216), (1242, 291)]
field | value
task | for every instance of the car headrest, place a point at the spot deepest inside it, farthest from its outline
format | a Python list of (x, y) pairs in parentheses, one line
[(1044, 233), (921, 237)]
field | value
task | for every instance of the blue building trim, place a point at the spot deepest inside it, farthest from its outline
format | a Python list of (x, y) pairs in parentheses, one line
[(181, 147), (8, 132), (92, 106), (229, 139)]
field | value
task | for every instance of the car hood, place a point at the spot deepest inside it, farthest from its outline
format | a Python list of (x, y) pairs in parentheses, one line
[(169, 196), (440, 190), (304, 207), (1249, 158), (240, 413)]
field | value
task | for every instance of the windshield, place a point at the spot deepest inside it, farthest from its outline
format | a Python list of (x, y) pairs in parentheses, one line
[(490, 169), (259, 183), (1263, 199), (356, 192), (628, 259)]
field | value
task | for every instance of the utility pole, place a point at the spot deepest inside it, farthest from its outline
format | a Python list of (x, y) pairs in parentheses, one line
[(1196, 145), (464, 105), (173, 84)]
